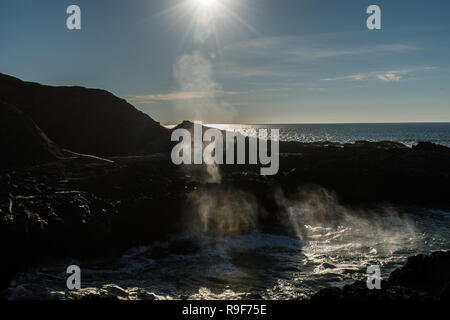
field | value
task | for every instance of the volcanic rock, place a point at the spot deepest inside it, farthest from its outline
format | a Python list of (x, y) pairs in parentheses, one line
[(88, 121), (21, 140), (422, 278)]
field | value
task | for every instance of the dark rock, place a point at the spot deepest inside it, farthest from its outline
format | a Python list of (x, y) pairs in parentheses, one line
[(429, 146), (188, 125), (145, 296), (425, 273), (94, 297), (445, 293), (183, 247), (22, 141), (158, 253), (422, 278), (88, 121), (331, 293), (367, 172), (85, 208)]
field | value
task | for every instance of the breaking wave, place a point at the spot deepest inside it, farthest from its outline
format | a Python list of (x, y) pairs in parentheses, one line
[(317, 243)]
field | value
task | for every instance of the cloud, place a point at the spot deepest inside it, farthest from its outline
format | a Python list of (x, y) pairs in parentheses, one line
[(311, 48), (352, 77), (389, 77), (239, 70), (281, 57), (180, 96), (386, 76)]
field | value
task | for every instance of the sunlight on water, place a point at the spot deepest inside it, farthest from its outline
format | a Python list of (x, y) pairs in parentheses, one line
[(407, 133), (256, 265)]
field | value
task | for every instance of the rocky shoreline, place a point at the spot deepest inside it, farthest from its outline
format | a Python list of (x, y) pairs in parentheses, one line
[(85, 207), (116, 188), (422, 278)]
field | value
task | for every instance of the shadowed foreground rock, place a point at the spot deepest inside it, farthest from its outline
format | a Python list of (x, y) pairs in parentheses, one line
[(84, 207), (422, 278), (22, 141)]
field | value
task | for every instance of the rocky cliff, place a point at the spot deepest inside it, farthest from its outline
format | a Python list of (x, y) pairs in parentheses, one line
[(22, 141), (89, 121)]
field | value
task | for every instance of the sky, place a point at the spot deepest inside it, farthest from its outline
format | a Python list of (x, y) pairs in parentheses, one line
[(241, 61)]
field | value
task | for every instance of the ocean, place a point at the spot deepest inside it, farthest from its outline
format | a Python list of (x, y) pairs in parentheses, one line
[(407, 133), (299, 256)]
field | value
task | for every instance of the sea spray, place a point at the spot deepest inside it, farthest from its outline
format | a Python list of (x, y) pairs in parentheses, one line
[(221, 210), (198, 148), (200, 96), (316, 216)]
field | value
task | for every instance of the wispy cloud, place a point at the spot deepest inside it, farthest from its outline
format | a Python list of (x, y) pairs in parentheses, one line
[(351, 77), (310, 48), (389, 77), (279, 57), (237, 70), (179, 96), (386, 76)]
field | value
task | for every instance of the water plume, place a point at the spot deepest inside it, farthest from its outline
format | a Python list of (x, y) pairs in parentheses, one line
[(193, 73), (315, 214), (222, 210)]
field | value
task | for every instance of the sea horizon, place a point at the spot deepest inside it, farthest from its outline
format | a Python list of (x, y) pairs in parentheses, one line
[(168, 125), (408, 133)]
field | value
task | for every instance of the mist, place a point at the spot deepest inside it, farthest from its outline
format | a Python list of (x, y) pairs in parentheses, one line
[(193, 73)]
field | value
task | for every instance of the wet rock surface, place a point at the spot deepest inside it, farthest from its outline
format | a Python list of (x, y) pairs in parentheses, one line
[(422, 278), (86, 207), (83, 208)]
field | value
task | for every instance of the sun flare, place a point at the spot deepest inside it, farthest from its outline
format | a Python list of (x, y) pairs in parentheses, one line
[(205, 20), (206, 4)]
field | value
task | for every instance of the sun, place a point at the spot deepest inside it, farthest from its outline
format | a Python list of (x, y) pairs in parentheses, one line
[(206, 4), (205, 20)]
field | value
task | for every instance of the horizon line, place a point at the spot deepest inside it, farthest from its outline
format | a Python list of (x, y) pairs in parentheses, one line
[(297, 123)]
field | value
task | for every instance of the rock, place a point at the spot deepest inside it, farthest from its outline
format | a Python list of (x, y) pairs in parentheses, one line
[(424, 273), (188, 125), (74, 208), (183, 247), (331, 293), (94, 297), (87, 121), (429, 146), (22, 141), (158, 253), (445, 293), (145, 296), (422, 278)]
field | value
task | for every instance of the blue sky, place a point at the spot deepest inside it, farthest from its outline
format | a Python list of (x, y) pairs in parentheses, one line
[(241, 61)]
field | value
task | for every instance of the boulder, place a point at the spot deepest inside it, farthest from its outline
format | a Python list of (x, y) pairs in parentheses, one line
[(422, 278)]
